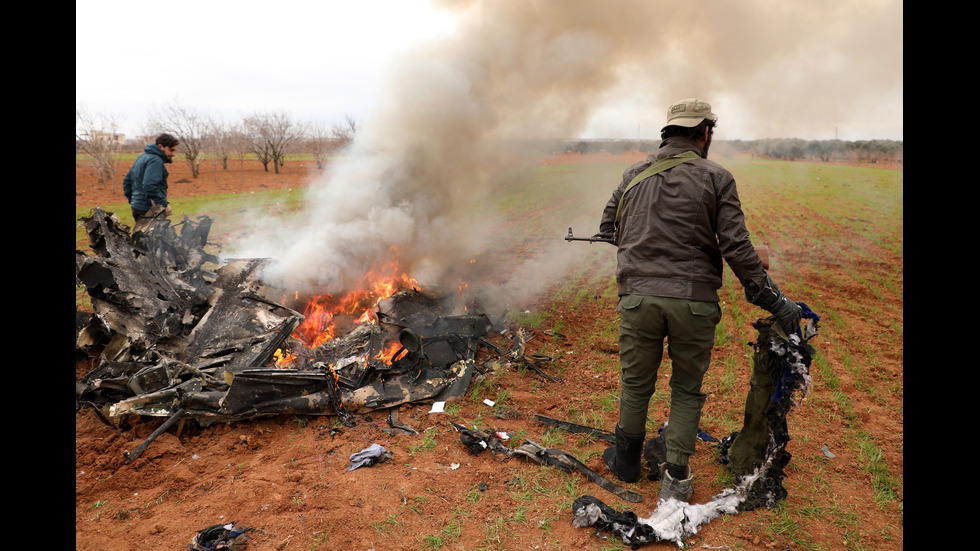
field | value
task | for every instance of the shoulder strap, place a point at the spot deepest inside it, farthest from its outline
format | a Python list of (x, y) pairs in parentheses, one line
[(659, 166)]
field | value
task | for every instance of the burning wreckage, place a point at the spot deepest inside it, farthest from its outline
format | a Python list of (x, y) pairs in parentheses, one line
[(178, 341)]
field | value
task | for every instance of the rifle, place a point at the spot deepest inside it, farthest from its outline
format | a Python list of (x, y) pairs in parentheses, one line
[(761, 250), (593, 239)]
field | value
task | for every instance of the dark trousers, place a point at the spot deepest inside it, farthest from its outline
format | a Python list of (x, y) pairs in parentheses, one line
[(688, 327)]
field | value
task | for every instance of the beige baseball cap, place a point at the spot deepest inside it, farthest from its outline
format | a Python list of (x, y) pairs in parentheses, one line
[(689, 112)]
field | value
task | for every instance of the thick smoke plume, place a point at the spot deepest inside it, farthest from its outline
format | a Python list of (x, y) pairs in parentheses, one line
[(446, 128)]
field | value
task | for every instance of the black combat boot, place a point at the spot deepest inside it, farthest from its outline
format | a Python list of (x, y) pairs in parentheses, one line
[(623, 459)]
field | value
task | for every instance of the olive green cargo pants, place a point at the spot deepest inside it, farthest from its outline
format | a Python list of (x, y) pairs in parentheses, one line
[(689, 329)]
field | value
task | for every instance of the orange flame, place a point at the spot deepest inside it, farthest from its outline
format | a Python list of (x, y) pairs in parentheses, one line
[(388, 354), (318, 327), (377, 285), (282, 358)]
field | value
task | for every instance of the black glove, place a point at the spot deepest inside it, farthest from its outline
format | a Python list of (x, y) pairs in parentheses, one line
[(788, 314), (772, 300)]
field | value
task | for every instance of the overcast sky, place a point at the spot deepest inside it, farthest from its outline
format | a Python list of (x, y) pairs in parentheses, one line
[(770, 68)]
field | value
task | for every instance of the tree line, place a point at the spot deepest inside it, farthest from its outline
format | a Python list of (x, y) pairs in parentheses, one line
[(268, 136), (790, 149)]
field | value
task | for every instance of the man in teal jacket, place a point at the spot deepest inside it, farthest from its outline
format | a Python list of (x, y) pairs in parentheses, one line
[(145, 184)]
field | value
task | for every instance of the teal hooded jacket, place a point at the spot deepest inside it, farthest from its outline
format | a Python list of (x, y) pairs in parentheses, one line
[(145, 184)]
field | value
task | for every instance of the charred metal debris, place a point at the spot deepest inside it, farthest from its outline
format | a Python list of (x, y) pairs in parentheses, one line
[(176, 339), (228, 537)]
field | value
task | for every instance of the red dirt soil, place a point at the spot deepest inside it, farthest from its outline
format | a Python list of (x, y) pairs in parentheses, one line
[(285, 477)]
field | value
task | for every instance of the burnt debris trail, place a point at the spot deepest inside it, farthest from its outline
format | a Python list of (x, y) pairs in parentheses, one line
[(179, 334)]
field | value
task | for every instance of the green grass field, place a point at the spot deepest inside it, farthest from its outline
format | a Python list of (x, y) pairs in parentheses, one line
[(836, 240)]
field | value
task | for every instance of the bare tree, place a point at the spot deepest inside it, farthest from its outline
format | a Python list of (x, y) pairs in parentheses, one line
[(271, 135), (254, 134), (319, 142), (218, 142), (322, 142), (239, 146), (189, 126), (97, 135), (344, 132)]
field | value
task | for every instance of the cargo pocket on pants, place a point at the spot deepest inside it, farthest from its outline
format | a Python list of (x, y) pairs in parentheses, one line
[(628, 302), (708, 310)]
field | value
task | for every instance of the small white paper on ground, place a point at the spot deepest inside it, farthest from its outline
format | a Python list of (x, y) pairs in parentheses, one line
[(488, 402), (438, 407)]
